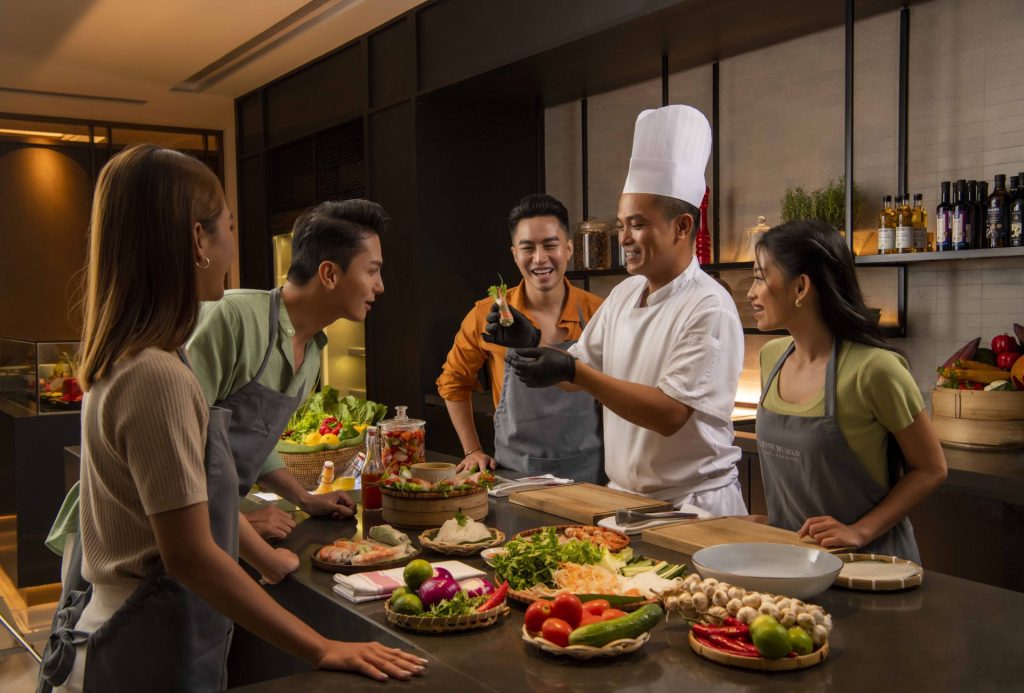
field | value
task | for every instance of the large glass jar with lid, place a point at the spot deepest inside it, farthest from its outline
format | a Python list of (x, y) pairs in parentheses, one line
[(595, 244), (402, 440)]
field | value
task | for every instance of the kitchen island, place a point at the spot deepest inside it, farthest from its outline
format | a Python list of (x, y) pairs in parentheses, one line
[(949, 634)]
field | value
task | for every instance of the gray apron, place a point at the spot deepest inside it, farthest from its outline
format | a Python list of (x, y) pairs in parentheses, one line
[(809, 470), (549, 431), (258, 413), (164, 637)]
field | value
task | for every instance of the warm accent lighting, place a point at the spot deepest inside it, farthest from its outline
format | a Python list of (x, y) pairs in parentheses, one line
[(63, 137)]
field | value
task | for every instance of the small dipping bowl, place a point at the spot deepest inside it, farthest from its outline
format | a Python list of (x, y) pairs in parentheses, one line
[(434, 471)]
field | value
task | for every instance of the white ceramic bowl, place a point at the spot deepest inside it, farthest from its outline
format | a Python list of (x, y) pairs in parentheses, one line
[(434, 471), (784, 569), (489, 554)]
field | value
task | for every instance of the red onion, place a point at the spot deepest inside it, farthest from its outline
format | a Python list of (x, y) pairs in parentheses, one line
[(477, 587), (443, 573), (436, 589)]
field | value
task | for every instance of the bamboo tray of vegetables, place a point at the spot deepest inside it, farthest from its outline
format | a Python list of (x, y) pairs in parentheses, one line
[(427, 623), (571, 628), (547, 562), (326, 421)]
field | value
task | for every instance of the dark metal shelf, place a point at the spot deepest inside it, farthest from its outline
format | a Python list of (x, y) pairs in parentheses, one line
[(907, 258)]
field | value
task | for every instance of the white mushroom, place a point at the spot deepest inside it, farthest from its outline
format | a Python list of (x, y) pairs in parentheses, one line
[(788, 617), (736, 592), (718, 612), (720, 598), (700, 602), (819, 617), (783, 603), (709, 586), (805, 621), (770, 609)]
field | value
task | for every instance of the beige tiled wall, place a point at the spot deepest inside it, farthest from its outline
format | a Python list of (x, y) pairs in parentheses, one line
[(782, 125)]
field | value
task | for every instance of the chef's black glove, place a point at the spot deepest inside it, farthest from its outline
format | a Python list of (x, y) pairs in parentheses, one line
[(543, 367), (520, 334)]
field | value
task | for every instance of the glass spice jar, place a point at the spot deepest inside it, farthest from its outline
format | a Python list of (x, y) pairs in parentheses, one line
[(596, 244)]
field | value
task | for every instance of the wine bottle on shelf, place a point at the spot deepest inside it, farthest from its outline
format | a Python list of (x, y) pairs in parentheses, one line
[(904, 226), (1011, 187), (919, 221), (981, 214), (1016, 239), (886, 227), (997, 228), (944, 220), (963, 216)]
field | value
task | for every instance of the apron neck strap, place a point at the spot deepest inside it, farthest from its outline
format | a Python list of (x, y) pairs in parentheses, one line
[(579, 311), (275, 310), (830, 376)]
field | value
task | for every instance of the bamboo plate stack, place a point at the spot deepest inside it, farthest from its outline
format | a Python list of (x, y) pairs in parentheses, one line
[(979, 418)]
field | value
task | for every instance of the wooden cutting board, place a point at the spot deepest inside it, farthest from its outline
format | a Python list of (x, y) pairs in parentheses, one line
[(585, 503), (688, 537)]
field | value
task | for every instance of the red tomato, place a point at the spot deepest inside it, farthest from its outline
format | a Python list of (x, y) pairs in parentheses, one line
[(556, 631), (609, 614), (1003, 342), (595, 606), (589, 618), (569, 608), (536, 614), (1006, 359)]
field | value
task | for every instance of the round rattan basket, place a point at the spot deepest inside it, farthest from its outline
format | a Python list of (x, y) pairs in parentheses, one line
[(759, 663), (446, 624), (612, 649), (306, 467), (427, 541)]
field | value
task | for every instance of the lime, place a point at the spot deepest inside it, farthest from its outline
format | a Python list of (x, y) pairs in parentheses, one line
[(408, 604), (800, 641), (417, 572), (771, 640), (761, 621), (398, 593)]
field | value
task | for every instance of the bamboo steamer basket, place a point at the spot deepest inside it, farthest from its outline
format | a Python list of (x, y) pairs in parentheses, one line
[(976, 417), (306, 467), (406, 510)]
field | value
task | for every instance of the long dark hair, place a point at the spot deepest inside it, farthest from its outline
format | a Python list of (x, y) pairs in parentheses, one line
[(814, 248)]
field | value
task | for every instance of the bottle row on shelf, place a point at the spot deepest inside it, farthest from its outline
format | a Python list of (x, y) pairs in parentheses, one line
[(967, 218)]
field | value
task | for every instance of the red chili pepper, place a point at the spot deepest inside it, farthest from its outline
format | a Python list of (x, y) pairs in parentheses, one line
[(497, 597), (735, 632), (733, 646), (730, 621)]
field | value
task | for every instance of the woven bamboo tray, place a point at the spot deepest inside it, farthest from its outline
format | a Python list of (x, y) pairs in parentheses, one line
[(612, 649), (446, 624), (759, 663), (912, 575), (427, 541), (348, 569), (306, 467)]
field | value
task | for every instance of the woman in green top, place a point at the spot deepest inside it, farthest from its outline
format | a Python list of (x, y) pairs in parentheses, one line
[(835, 396)]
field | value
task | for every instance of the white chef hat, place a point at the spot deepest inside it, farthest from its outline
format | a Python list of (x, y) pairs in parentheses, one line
[(671, 146)]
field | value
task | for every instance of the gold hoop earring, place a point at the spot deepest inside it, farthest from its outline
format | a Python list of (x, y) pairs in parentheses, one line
[(204, 266), (798, 304)]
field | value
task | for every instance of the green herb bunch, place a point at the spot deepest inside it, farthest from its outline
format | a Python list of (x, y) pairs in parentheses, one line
[(533, 560)]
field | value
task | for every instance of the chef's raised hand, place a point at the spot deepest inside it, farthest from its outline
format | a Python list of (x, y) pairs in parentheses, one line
[(830, 533), (543, 367), (520, 334), (336, 505)]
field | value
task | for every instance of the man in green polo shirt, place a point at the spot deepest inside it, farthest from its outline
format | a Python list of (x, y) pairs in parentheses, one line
[(263, 371)]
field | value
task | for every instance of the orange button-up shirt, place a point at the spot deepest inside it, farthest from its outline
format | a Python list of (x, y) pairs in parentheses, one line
[(470, 352)]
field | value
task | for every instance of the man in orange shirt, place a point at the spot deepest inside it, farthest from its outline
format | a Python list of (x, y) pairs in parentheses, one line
[(535, 431)]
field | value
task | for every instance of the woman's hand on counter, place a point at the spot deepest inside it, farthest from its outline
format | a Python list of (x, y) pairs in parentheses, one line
[(280, 565), (271, 522), (371, 659), (474, 461), (831, 533)]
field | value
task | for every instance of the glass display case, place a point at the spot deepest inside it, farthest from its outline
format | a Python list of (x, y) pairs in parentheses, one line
[(40, 377), (344, 358)]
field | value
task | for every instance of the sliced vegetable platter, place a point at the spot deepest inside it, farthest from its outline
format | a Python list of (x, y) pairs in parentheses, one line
[(576, 559)]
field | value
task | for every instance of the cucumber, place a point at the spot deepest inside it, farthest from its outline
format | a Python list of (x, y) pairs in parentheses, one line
[(673, 571), (630, 626)]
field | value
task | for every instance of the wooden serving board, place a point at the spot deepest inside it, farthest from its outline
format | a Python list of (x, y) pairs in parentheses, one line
[(691, 536), (584, 503)]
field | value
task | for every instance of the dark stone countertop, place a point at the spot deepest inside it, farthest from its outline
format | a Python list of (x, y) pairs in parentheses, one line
[(949, 634)]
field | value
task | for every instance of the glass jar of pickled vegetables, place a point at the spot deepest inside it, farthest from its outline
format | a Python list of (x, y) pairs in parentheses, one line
[(402, 440)]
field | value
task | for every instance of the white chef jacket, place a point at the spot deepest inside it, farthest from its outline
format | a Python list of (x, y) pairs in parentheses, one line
[(688, 342)]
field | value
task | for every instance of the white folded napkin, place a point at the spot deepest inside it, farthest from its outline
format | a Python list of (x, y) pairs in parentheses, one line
[(379, 584), (527, 482)]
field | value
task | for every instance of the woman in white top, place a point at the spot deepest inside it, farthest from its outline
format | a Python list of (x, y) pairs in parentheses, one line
[(159, 529)]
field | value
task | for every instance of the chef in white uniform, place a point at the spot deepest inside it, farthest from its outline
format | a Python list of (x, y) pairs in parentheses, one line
[(663, 354)]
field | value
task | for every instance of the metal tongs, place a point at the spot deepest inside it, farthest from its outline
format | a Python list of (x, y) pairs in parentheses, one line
[(631, 518)]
